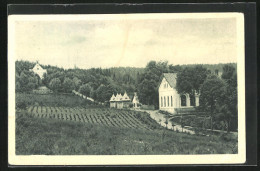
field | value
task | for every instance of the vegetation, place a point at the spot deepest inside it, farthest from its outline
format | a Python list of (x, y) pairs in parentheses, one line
[(203, 122), (218, 96), (45, 136), (191, 79), (211, 91), (100, 116), (145, 81), (63, 100), (148, 82)]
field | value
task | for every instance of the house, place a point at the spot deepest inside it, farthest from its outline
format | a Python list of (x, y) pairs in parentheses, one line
[(42, 90), (135, 101), (170, 100), (120, 101), (37, 69)]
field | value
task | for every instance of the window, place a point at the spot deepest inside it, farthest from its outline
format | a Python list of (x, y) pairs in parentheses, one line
[(161, 102), (171, 101), (164, 101), (183, 100), (192, 100), (168, 101)]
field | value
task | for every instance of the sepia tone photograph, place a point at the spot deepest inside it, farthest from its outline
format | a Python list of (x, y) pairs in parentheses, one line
[(124, 87)]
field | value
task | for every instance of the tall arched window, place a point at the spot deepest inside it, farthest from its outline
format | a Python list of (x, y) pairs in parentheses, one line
[(192, 100), (183, 100), (161, 102), (171, 101), (168, 101), (164, 101)]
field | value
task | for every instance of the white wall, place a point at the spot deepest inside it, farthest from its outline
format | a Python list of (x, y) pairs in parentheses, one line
[(39, 70), (167, 92)]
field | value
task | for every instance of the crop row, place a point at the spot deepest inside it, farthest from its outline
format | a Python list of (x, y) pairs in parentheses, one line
[(107, 117)]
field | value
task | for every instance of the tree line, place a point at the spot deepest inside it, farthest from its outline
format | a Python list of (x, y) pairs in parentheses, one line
[(218, 95), (96, 83)]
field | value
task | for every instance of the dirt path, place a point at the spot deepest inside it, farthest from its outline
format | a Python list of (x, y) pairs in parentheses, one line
[(160, 119)]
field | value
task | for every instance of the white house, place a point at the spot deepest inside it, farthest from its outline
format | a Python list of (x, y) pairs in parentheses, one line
[(37, 69), (170, 100), (119, 101)]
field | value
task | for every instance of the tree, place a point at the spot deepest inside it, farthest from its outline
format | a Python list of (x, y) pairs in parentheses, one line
[(228, 73), (103, 93), (85, 90), (26, 81), (55, 84), (17, 86), (68, 85), (211, 95), (77, 82), (190, 79), (148, 82), (227, 106)]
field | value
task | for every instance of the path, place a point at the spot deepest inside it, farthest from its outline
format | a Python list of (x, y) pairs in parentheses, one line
[(160, 119)]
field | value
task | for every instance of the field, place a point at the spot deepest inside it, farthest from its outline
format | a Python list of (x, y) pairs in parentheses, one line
[(100, 116), (52, 125), (67, 100)]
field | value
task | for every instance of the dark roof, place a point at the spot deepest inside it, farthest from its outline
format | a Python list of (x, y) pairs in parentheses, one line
[(171, 78)]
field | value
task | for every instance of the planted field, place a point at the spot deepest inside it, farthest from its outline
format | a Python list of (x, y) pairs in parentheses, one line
[(37, 136), (100, 116)]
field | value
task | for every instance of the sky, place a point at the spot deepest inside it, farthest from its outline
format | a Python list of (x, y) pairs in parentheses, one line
[(124, 42)]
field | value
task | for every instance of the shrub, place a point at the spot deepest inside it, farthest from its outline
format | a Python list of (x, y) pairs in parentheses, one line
[(226, 137), (21, 105)]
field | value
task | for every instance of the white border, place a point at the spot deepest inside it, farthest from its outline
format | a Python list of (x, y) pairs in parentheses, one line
[(126, 159)]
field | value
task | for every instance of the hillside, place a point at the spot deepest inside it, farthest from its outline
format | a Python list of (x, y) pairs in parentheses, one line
[(48, 136), (99, 83)]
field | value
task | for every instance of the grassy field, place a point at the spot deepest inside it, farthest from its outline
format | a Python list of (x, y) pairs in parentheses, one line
[(35, 135), (66, 100), (203, 122), (66, 125)]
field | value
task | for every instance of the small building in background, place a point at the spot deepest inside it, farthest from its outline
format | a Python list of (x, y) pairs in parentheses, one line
[(42, 90), (113, 101), (120, 101), (135, 101), (37, 69)]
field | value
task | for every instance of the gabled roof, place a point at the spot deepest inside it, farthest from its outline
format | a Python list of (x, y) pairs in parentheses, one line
[(113, 98), (37, 65), (119, 97), (170, 78), (125, 97)]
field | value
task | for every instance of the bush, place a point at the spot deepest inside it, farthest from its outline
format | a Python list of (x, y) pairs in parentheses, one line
[(226, 137), (21, 105)]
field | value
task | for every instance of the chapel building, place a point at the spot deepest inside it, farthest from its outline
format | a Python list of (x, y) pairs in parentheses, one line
[(170, 100)]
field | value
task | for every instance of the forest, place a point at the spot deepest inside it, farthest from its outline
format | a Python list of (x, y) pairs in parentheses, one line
[(99, 83)]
